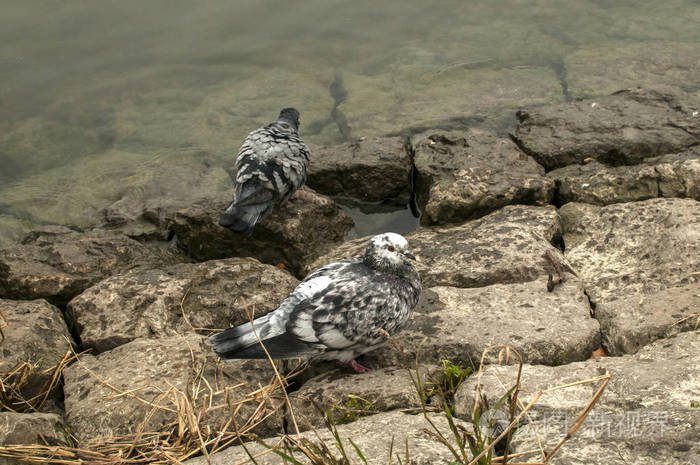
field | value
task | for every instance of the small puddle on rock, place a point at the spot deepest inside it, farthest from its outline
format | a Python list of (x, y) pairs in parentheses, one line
[(373, 218)]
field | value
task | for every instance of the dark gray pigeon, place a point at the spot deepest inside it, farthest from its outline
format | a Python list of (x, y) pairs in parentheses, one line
[(338, 312), (270, 167)]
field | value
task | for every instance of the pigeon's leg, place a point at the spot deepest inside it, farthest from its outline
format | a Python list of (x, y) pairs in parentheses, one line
[(359, 368)]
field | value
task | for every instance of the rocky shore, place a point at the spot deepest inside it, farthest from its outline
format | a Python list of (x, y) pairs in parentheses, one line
[(578, 235)]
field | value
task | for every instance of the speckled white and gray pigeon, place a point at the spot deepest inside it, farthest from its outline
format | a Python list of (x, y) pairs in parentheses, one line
[(271, 165), (339, 312)]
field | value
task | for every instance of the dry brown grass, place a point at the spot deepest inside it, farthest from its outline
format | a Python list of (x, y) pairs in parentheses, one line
[(192, 431)]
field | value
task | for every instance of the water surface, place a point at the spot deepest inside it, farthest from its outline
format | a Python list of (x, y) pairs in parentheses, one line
[(95, 94)]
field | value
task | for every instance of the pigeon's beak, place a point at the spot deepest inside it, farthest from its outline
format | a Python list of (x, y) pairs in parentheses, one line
[(409, 255)]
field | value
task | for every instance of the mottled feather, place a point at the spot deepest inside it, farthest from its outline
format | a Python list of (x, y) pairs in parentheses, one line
[(339, 311), (271, 165)]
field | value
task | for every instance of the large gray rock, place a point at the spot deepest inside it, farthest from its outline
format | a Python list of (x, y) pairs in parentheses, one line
[(638, 261), (348, 398), (376, 437), (619, 129), (143, 381), (36, 334), (645, 415), (506, 246), (672, 175), (167, 301), (549, 328), (57, 264), (30, 428), (462, 175), (371, 169), (294, 234)]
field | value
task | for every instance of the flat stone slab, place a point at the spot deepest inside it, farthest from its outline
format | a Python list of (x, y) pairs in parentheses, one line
[(293, 235), (645, 414), (113, 393), (629, 323), (462, 175), (370, 169), (636, 258), (623, 128), (57, 263), (672, 175), (548, 328), (348, 398), (173, 300), (506, 246), (36, 334), (372, 435)]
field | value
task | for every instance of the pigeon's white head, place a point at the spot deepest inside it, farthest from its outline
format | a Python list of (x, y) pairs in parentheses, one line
[(389, 252)]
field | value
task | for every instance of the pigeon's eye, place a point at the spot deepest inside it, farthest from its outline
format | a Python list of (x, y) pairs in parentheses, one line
[(391, 248)]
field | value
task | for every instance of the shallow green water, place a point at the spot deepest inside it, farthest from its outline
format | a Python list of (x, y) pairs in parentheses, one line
[(95, 91)]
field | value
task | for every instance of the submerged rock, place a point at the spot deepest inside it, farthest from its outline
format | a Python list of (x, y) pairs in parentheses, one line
[(623, 128), (57, 263), (467, 174), (370, 169), (163, 302), (506, 246), (293, 235), (602, 70), (144, 384), (146, 209), (36, 334), (638, 260), (672, 175)]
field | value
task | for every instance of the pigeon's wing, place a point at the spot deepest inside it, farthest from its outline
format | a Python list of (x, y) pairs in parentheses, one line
[(275, 160), (242, 341), (353, 310)]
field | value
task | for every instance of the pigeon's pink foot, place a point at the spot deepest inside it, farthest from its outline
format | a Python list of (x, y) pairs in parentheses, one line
[(359, 368)]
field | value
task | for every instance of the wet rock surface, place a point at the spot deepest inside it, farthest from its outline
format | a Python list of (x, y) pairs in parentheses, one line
[(293, 235), (57, 263), (548, 328), (650, 396), (461, 175), (370, 169), (139, 385), (623, 128), (671, 175), (372, 435), (166, 301), (634, 253), (146, 210), (35, 333), (507, 246)]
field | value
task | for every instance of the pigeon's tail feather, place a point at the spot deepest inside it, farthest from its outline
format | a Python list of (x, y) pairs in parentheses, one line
[(242, 220), (241, 343), (233, 340), (252, 204)]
